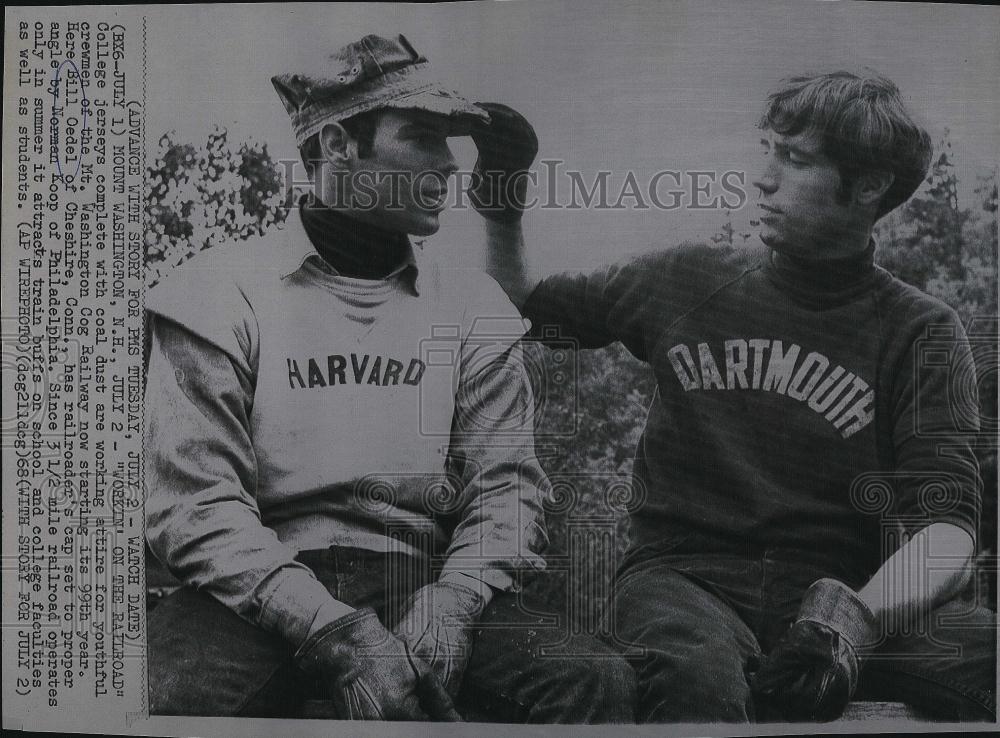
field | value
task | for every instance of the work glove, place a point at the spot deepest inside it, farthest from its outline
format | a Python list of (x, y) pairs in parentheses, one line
[(812, 672), (370, 674), (437, 626), (507, 146)]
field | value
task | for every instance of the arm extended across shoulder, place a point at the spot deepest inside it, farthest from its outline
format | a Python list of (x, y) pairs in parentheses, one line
[(632, 301)]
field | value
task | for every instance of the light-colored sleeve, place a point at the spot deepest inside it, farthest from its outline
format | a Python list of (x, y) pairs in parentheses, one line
[(203, 522), (500, 521)]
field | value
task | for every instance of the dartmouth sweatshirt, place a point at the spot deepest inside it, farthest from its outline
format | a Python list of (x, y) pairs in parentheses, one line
[(816, 410)]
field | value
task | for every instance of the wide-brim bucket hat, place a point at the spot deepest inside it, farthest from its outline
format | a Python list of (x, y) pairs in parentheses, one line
[(367, 75)]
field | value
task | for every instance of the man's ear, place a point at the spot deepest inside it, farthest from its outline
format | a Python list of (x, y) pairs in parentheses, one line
[(871, 186), (335, 144)]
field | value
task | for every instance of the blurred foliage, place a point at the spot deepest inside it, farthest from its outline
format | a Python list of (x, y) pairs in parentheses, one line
[(944, 249), (204, 195), (590, 469)]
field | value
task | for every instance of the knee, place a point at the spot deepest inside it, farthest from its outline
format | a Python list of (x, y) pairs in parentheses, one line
[(205, 660), (180, 681), (613, 687), (692, 690), (599, 689), (168, 689), (174, 688)]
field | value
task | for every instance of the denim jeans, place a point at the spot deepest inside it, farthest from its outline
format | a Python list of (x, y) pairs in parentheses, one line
[(206, 660), (703, 616)]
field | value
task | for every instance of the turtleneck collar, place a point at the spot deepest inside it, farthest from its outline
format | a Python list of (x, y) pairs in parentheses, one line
[(354, 248), (822, 282)]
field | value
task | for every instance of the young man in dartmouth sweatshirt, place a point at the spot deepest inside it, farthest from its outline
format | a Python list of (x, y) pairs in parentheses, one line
[(340, 459), (811, 492)]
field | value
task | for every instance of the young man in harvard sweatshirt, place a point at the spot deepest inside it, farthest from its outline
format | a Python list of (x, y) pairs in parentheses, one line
[(812, 496), (340, 457)]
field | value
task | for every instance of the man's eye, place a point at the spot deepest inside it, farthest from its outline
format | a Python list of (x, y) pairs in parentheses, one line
[(791, 157)]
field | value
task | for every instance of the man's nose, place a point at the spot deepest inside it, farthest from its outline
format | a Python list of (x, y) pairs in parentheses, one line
[(447, 165), (766, 177)]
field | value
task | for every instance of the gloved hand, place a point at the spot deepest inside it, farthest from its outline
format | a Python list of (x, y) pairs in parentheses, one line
[(370, 674), (437, 626), (812, 672), (507, 146)]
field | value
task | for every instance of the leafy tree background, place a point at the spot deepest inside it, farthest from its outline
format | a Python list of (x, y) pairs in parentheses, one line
[(203, 195), (593, 403)]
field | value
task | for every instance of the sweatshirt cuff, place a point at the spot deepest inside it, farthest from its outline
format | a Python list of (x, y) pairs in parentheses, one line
[(328, 612), (468, 581), (296, 606), (498, 579)]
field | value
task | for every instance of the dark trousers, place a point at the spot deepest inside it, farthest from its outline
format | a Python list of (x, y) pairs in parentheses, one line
[(206, 660), (703, 620)]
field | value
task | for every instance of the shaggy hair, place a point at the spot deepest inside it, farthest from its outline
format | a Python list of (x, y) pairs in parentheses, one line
[(862, 125)]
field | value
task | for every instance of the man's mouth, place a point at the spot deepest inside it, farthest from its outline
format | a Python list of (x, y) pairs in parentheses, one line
[(433, 200), (765, 214)]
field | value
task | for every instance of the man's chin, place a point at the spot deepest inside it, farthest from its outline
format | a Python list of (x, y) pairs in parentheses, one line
[(783, 246), (425, 226), (422, 232), (770, 239)]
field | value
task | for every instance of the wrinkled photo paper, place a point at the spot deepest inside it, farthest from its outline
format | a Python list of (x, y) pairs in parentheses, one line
[(373, 366)]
